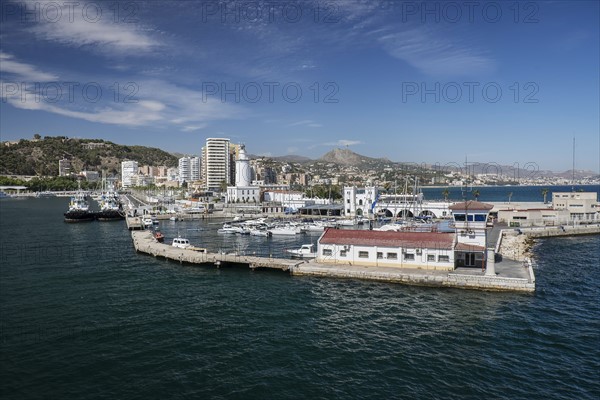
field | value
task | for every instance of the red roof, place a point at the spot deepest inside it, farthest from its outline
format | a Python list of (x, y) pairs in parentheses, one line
[(471, 205), (388, 239)]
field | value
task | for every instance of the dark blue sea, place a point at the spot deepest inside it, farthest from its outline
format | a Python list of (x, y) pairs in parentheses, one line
[(82, 316), (502, 193)]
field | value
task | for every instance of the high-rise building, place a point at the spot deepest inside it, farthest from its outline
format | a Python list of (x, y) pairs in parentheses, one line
[(128, 170), (189, 169), (184, 170), (216, 163), (194, 169)]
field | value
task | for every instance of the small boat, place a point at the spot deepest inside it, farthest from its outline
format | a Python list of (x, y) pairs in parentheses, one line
[(181, 243), (147, 222), (285, 231), (160, 238), (306, 251), (259, 232), (173, 219)]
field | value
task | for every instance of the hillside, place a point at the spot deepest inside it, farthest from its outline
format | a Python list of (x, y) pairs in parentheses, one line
[(40, 156), (348, 157)]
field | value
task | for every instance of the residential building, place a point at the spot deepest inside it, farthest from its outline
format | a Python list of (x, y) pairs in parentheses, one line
[(216, 163), (128, 170)]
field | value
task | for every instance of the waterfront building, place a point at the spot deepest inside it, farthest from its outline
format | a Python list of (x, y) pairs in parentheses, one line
[(216, 163), (582, 206), (466, 247), (470, 224), (184, 170), (128, 170), (359, 201), (424, 250)]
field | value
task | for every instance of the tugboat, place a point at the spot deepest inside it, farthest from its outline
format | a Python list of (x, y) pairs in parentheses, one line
[(79, 209), (110, 208)]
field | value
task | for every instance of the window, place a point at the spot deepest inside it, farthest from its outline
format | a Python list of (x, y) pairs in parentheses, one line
[(363, 254), (430, 257), (343, 253), (469, 217), (409, 256), (379, 255), (348, 201), (327, 252), (360, 202), (480, 217), (459, 217), (443, 258), (392, 256)]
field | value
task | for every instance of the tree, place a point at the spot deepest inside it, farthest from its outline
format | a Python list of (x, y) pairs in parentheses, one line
[(545, 193), (476, 194), (509, 196), (37, 136), (446, 193)]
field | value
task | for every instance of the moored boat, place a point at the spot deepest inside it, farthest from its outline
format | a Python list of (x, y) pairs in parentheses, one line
[(79, 209), (305, 251)]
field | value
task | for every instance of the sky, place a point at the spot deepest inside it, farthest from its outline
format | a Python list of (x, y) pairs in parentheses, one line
[(425, 82)]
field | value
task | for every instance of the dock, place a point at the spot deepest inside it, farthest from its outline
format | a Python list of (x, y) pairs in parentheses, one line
[(144, 242), (509, 275)]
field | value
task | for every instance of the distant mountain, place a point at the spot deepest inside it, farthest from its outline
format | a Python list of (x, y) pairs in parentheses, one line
[(40, 156), (348, 157)]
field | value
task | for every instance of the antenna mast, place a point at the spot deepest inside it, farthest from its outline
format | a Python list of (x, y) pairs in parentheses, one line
[(573, 176)]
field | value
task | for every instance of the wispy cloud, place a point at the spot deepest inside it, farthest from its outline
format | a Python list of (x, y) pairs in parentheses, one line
[(306, 122), (97, 30), (343, 143), (154, 102), (23, 71), (434, 54)]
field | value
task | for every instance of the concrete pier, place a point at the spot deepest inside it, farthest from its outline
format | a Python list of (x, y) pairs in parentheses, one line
[(509, 275)]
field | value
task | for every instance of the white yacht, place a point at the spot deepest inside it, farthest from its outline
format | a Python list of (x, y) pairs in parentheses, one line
[(306, 251), (286, 230)]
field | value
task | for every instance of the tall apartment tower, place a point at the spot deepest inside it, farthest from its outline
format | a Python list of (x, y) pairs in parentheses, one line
[(128, 170), (216, 163), (184, 170)]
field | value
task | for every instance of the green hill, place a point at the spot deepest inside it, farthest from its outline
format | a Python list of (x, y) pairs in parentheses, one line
[(40, 156)]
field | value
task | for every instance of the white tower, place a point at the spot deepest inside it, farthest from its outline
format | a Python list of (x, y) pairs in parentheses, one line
[(243, 172), (470, 222)]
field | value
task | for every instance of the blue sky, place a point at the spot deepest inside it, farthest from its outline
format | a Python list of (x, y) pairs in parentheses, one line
[(425, 82)]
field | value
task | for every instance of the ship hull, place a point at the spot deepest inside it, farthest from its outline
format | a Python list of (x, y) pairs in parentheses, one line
[(79, 216), (110, 215)]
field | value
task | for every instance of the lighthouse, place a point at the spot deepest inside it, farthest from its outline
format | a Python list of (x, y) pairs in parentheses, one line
[(243, 172)]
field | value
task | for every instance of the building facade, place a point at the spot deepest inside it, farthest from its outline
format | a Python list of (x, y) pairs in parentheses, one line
[(216, 163), (582, 206), (128, 170), (424, 250)]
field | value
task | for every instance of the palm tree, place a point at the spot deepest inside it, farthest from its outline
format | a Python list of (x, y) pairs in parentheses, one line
[(545, 193), (509, 196), (446, 193), (476, 194)]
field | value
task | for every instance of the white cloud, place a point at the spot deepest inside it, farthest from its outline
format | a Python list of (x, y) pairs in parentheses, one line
[(152, 103), (433, 54), (22, 71), (306, 122), (93, 24)]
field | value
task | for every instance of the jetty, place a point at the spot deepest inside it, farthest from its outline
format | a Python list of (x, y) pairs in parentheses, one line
[(506, 275)]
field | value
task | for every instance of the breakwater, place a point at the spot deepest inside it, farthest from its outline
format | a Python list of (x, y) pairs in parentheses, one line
[(507, 275)]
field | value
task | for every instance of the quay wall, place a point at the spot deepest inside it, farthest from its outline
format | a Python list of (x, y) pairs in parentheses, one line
[(450, 280)]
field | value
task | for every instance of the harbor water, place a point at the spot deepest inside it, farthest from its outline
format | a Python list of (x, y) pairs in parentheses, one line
[(83, 316)]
